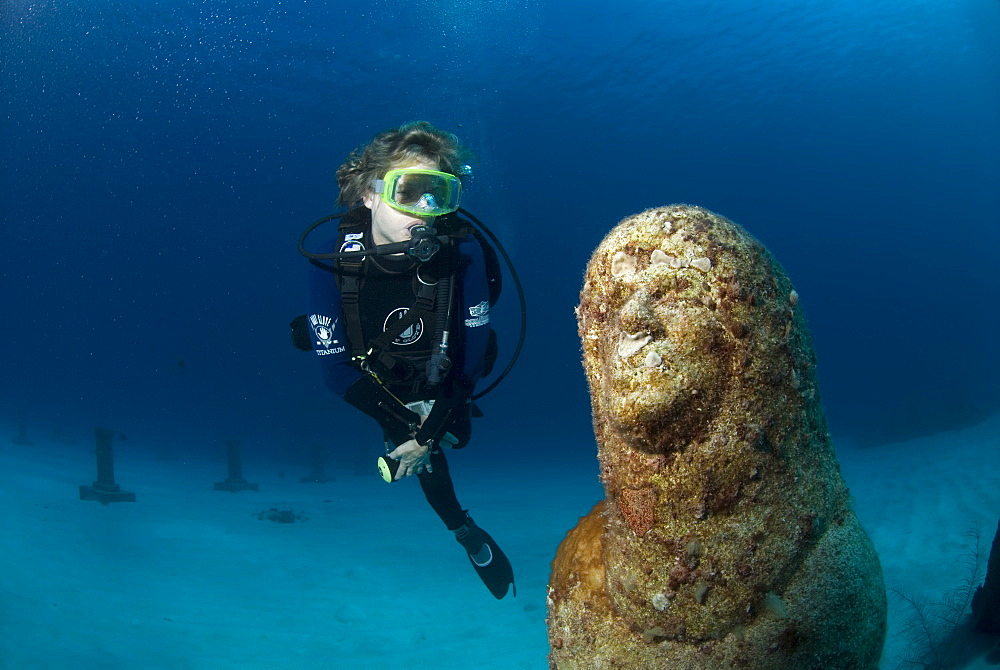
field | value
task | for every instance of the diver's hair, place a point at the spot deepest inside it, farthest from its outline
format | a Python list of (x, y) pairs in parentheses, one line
[(417, 141)]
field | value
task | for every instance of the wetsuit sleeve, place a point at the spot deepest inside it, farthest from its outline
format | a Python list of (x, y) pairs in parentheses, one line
[(452, 400), (331, 345), (398, 422)]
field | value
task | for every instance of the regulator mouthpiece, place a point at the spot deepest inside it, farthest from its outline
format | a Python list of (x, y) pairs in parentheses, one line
[(424, 243)]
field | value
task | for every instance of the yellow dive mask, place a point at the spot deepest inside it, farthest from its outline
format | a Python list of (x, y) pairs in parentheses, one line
[(420, 192)]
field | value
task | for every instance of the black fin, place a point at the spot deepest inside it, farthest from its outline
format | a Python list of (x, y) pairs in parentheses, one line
[(497, 574)]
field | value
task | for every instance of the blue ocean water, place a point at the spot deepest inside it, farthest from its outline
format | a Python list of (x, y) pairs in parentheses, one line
[(158, 161)]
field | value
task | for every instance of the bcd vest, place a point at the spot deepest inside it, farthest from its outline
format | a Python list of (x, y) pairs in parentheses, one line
[(396, 311)]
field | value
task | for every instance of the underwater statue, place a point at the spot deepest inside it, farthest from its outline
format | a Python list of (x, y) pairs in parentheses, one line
[(726, 538)]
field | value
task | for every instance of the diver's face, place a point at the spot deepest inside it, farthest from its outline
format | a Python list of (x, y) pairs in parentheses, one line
[(391, 225)]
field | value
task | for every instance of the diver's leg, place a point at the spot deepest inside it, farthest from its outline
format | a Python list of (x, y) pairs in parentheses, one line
[(489, 561), (440, 491)]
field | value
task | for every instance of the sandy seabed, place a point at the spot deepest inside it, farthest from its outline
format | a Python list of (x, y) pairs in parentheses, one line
[(188, 578)]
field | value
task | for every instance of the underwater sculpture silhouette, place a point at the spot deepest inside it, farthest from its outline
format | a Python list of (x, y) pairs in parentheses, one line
[(726, 537)]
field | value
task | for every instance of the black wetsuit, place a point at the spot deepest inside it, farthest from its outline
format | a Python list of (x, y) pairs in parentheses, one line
[(387, 288)]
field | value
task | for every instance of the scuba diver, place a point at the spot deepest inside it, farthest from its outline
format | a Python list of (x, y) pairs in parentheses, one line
[(399, 313)]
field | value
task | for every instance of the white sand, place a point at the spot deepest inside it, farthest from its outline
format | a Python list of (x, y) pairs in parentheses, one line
[(190, 578)]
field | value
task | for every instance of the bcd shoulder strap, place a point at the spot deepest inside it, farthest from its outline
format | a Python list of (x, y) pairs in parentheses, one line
[(349, 276)]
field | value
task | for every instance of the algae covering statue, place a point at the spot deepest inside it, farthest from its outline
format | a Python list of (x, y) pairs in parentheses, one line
[(726, 538)]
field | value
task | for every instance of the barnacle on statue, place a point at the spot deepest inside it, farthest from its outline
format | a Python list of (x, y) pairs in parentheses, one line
[(726, 537)]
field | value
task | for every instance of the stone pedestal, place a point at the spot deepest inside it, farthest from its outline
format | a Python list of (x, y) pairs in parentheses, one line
[(235, 482), (318, 473), (104, 490)]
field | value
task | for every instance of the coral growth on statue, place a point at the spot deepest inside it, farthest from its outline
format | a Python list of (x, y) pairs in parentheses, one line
[(726, 538)]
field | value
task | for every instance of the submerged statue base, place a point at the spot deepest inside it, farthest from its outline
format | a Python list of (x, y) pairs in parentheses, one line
[(726, 538)]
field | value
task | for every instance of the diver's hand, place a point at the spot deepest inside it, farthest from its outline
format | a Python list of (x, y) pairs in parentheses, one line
[(413, 459)]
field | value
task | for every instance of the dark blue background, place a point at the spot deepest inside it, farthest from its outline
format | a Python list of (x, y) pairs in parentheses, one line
[(159, 160)]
